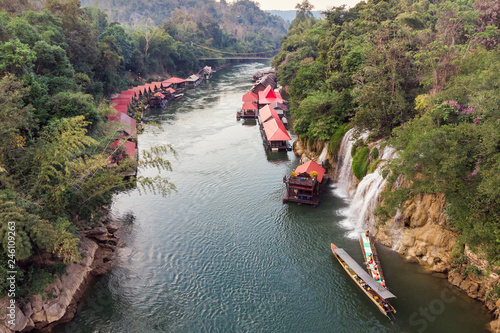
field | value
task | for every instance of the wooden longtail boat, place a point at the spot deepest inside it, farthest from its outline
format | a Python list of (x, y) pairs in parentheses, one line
[(370, 257), (376, 293)]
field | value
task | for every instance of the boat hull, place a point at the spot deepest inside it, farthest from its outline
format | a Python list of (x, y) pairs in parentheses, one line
[(373, 298)]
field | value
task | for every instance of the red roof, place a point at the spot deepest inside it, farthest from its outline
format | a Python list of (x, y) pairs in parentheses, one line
[(275, 131), (121, 108), (156, 84), (138, 90), (127, 92), (267, 113), (171, 90), (127, 145), (309, 167), (249, 106), (150, 87), (174, 80), (121, 101), (126, 123), (269, 96), (158, 94), (250, 97)]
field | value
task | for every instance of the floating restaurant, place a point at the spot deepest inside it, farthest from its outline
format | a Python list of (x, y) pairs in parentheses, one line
[(306, 184)]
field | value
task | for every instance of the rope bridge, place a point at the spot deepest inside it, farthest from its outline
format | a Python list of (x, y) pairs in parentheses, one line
[(235, 55)]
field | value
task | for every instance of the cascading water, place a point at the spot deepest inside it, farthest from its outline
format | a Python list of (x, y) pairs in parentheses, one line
[(363, 198), (322, 156), (345, 177)]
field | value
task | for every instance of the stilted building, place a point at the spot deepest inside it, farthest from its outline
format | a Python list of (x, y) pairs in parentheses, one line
[(306, 184)]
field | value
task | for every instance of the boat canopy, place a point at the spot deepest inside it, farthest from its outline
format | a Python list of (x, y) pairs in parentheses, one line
[(382, 291)]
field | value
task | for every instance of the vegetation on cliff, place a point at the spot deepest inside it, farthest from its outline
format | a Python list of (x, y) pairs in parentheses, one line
[(421, 73)]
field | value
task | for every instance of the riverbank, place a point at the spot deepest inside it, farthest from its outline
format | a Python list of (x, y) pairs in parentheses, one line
[(98, 248), (223, 253), (420, 234)]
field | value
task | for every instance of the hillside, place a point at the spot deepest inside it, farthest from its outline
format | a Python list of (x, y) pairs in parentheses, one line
[(243, 19), (289, 15)]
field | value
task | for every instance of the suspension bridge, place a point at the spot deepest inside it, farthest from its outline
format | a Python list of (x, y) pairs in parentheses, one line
[(235, 55)]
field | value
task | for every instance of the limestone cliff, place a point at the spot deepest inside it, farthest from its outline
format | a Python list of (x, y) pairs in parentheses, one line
[(98, 249), (420, 233)]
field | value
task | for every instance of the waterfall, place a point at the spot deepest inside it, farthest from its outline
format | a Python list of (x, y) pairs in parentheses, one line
[(362, 199), (345, 178), (322, 157)]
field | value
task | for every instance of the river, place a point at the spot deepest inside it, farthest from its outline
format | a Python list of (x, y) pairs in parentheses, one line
[(224, 254)]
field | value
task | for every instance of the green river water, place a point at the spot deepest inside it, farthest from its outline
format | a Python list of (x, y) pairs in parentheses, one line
[(224, 254)]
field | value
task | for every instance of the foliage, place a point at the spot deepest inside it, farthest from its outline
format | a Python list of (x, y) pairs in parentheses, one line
[(336, 140), (360, 162), (472, 269), (375, 153), (373, 165), (425, 74)]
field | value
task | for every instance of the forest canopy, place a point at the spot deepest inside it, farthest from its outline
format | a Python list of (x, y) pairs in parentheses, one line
[(59, 65)]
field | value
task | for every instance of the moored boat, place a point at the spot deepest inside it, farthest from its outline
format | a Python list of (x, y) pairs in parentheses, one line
[(370, 257), (376, 293)]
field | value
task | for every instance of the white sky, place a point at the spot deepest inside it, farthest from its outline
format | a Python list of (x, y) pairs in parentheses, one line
[(290, 4)]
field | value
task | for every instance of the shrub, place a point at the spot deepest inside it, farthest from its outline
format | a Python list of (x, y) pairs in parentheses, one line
[(375, 153), (336, 140), (373, 165), (358, 144), (360, 163), (472, 269)]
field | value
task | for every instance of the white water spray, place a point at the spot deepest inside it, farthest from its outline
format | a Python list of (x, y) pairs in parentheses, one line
[(363, 199), (322, 156)]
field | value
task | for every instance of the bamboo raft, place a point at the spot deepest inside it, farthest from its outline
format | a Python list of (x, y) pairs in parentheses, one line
[(376, 293)]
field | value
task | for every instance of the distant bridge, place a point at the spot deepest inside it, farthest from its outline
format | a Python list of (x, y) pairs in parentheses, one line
[(238, 58), (235, 55)]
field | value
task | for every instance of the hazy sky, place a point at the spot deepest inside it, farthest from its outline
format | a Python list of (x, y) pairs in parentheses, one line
[(290, 4)]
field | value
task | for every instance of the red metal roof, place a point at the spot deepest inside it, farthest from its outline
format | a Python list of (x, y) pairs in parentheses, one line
[(158, 94), (126, 123), (121, 108), (121, 101), (174, 80), (309, 167), (269, 96), (250, 97), (127, 145), (171, 90), (249, 106), (275, 131), (150, 87), (158, 85), (266, 113)]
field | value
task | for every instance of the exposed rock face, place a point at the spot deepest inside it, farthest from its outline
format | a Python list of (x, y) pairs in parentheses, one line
[(98, 249), (420, 233)]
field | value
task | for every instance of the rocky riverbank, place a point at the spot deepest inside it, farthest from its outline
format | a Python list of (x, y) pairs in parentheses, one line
[(421, 234), (98, 248)]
